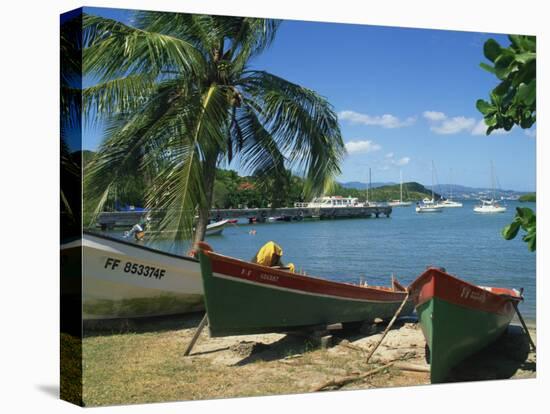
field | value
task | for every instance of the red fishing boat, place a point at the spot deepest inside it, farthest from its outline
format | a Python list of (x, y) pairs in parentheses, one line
[(246, 298), (459, 318)]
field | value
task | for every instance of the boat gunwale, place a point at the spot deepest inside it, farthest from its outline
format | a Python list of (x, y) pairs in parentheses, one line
[(422, 282), (146, 248), (386, 293)]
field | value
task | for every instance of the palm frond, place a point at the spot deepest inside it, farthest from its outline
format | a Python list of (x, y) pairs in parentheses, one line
[(120, 156), (250, 37), (199, 30), (303, 124), (114, 50), (179, 189), (118, 96), (258, 151)]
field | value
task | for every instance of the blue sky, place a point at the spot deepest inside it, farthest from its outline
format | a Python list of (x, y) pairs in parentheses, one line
[(404, 97)]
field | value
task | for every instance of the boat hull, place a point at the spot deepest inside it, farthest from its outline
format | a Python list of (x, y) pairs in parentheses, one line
[(216, 229), (124, 280), (451, 205), (429, 209), (458, 319), (494, 210), (243, 298)]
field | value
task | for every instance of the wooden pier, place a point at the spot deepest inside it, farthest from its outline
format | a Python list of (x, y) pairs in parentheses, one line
[(108, 220)]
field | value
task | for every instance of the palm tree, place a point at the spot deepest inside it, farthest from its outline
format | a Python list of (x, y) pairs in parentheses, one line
[(180, 99), (70, 116)]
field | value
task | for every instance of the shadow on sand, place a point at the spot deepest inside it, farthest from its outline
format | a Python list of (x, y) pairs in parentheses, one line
[(296, 343), (141, 325), (500, 360)]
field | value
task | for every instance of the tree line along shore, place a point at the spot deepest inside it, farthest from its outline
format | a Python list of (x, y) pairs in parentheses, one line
[(233, 191)]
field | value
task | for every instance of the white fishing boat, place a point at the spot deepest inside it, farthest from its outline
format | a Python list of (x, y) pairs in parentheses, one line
[(400, 202), (429, 205), (491, 206), (447, 203), (216, 229), (121, 279)]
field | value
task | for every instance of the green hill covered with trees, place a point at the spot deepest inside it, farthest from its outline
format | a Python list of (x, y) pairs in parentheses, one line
[(411, 192), (531, 197)]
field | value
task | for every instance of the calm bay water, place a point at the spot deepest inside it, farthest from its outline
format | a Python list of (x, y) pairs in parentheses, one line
[(466, 244)]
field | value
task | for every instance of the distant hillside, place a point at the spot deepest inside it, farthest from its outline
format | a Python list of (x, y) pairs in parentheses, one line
[(411, 192), (363, 186), (531, 197), (464, 192)]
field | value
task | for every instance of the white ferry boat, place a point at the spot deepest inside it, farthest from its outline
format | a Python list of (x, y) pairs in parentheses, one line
[(330, 202)]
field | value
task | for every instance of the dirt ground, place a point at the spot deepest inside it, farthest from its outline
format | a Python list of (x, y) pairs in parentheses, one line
[(137, 363)]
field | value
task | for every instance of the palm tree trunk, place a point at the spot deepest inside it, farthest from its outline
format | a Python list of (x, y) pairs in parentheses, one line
[(209, 174)]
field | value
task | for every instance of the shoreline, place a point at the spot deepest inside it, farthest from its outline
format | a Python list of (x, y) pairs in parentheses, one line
[(142, 361)]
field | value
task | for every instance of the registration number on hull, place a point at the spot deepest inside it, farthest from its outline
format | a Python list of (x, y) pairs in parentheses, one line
[(135, 268)]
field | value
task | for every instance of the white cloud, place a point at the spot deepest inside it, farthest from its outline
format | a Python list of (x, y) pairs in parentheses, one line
[(362, 147), (480, 128), (454, 125), (385, 121), (434, 115), (402, 161), (440, 123)]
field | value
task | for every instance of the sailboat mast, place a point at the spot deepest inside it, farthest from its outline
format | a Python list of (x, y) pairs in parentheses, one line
[(432, 181), (370, 188), (367, 193), (400, 186), (451, 186), (493, 180)]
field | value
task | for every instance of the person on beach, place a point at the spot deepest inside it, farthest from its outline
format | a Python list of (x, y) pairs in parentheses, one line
[(138, 230), (270, 255)]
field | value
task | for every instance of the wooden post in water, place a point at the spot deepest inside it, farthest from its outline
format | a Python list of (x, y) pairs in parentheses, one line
[(201, 326)]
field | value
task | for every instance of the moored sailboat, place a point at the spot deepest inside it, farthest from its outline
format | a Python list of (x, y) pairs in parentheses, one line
[(491, 206), (429, 205), (449, 202), (400, 202)]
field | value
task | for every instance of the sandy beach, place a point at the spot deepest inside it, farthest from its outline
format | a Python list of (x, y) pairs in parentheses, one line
[(142, 361)]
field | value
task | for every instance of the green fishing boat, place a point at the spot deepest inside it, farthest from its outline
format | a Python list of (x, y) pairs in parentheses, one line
[(245, 298), (458, 318)]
